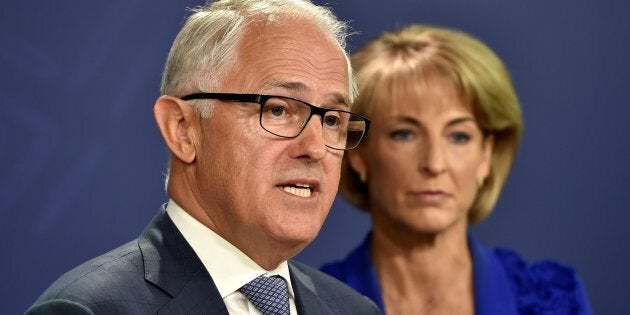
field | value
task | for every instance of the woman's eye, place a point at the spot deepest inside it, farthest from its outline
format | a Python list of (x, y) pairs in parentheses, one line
[(401, 134), (459, 137)]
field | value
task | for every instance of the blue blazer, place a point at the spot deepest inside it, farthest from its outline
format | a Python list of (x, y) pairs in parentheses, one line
[(504, 283), (159, 273)]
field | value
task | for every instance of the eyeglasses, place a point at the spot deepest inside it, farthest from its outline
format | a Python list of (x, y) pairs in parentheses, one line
[(286, 117)]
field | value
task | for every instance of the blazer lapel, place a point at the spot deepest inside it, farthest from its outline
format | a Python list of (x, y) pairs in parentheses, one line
[(493, 294), (172, 265), (307, 300)]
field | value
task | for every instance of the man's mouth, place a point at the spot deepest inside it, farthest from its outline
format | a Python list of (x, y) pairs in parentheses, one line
[(302, 190)]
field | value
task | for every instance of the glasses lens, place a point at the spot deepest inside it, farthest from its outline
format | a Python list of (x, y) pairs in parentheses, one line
[(284, 117), (287, 117), (343, 130), (355, 131)]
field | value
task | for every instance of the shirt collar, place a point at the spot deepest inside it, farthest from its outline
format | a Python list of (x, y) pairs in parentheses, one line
[(234, 269)]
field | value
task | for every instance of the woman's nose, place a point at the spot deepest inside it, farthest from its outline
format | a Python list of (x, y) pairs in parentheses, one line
[(433, 161)]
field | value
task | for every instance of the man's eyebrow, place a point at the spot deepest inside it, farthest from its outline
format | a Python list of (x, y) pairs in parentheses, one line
[(336, 98), (340, 99)]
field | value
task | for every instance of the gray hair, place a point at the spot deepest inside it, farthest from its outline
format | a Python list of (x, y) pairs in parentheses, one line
[(202, 50)]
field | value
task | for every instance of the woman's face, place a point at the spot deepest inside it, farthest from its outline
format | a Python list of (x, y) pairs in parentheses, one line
[(423, 160)]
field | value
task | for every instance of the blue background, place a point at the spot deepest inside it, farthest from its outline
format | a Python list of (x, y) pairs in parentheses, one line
[(83, 159)]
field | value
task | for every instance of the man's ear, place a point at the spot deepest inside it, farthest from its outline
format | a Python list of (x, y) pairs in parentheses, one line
[(178, 123)]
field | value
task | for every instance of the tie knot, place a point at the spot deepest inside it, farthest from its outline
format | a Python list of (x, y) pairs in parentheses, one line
[(270, 295)]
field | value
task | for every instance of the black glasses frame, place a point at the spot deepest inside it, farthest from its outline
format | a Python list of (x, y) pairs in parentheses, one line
[(261, 99)]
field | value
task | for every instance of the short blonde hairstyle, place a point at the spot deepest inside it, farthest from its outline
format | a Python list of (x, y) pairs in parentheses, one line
[(417, 54), (204, 47)]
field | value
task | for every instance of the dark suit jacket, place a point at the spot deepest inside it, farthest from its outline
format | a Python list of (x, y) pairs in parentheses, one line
[(160, 273)]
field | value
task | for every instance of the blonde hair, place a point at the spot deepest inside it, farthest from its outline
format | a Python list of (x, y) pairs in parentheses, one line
[(417, 54), (204, 47)]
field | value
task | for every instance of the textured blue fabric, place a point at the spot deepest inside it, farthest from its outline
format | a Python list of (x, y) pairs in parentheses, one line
[(270, 295), (504, 283)]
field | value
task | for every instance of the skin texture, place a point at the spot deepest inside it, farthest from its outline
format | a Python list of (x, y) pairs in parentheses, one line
[(423, 159), (228, 172)]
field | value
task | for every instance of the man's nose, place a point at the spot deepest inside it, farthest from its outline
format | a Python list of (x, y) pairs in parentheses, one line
[(311, 143)]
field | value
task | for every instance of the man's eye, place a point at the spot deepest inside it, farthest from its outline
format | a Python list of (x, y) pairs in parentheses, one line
[(276, 107), (331, 121), (277, 111)]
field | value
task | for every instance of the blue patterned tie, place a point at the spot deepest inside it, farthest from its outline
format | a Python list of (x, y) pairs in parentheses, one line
[(269, 294)]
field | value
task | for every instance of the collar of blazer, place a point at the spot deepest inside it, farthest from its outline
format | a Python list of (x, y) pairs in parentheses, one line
[(171, 265)]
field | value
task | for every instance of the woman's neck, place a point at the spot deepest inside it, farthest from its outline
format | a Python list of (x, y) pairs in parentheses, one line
[(424, 273)]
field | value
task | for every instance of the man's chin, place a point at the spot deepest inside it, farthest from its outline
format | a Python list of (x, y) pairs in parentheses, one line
[(295, 243)]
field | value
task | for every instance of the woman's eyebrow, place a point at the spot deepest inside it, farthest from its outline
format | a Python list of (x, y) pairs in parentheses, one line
[(461, 120)]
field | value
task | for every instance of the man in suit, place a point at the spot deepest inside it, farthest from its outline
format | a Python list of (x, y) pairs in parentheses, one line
[(254, 170)]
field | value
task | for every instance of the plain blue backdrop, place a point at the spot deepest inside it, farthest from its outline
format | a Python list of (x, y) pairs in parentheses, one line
[(83, 160)]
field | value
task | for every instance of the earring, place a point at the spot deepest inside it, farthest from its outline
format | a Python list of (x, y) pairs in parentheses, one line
[(362, 177)]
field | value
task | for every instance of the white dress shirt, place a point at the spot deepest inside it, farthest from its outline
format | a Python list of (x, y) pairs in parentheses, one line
[(229, 267)]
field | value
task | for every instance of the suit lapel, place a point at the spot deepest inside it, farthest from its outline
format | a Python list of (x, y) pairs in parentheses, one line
[(307, 300), (172, 265)]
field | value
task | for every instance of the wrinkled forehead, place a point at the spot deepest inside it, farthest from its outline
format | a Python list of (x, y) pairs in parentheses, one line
[(294, 51), (302, 30)]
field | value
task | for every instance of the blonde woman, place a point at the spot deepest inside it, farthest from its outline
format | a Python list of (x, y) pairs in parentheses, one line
[(446, 124)]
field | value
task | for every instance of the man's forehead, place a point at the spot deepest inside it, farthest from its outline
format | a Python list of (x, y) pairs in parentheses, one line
[(286, 28), (291, 57), (300, 88)]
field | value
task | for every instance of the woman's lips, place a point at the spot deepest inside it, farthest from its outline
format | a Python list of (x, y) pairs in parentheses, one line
[(431, 196)]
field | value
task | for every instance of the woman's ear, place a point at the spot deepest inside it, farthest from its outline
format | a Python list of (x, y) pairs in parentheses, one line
[(357, 163), (178, 123), (486, 162)]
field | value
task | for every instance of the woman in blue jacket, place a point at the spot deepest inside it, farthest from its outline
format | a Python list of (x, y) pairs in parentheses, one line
[(446, 124)]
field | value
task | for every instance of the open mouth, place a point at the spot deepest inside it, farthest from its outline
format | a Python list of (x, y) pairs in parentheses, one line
[(302, 190)]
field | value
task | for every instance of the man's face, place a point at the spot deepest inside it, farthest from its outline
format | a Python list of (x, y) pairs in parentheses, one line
[(261, 191)]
